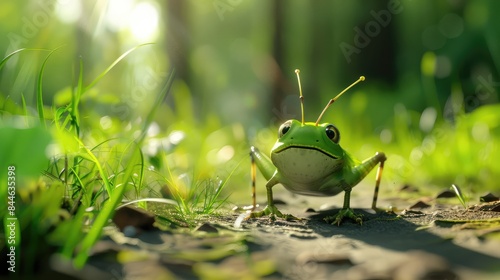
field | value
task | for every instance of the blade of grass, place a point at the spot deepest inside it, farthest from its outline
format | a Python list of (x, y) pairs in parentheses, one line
[(92, 158), (75, 101), (459, 194), (72, 117), (39, 94), (116, 197), (105, 214), (9, 56), (181, 203), (85, 190), (96, 80), (141, 176), (159, 100), (159, 200), (213, 200), (74, 235), (211, 193), (25, 110)]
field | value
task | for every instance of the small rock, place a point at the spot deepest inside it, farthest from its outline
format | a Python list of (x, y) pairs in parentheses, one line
[(207, 227), (420, 205), (446, 194), (310, 210), (489, 197), (408, 188), (135, 217)]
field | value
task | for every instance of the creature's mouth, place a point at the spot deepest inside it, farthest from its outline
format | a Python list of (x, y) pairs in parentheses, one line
[(307, 148)]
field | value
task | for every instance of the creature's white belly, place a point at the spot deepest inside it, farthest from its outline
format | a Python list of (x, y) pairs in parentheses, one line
[(306, 170)]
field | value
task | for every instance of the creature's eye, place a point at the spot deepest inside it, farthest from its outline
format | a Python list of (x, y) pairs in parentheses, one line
[(284, 128), (333, 133)]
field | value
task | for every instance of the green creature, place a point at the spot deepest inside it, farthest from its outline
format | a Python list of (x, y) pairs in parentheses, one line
[(308, 160)]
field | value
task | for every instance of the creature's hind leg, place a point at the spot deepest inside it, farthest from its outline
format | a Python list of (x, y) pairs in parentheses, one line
[(377, 179)]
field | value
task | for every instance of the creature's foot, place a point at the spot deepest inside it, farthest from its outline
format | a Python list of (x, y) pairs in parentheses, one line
[(272, 212), (346, 212)]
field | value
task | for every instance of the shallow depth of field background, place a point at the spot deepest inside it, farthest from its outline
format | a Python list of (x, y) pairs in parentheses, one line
[(430, 99)]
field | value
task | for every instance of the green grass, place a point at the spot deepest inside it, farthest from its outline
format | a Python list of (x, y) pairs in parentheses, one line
[(462, 153)]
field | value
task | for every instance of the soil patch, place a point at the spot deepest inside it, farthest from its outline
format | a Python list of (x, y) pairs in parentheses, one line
[(433, 242)]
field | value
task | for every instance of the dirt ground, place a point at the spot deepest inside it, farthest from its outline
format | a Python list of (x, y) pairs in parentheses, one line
[(431, 240)]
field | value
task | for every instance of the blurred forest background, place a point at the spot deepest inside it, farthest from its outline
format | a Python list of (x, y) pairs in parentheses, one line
[(429, 100)]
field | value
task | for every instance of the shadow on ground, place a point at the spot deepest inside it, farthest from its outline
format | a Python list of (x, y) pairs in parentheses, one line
[(386, 246), (399, 234)]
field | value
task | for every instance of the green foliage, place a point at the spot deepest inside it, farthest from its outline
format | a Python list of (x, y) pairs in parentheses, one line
[(39, 91), (443, 152), (88, 176), (14, 151)]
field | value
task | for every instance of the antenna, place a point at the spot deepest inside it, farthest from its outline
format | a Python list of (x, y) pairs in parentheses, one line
[(362, 78), (297, 71)]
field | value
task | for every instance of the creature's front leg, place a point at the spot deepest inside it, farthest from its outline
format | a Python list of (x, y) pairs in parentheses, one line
[(270, 210), (266, 167), (359, 172), (346, 211)]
